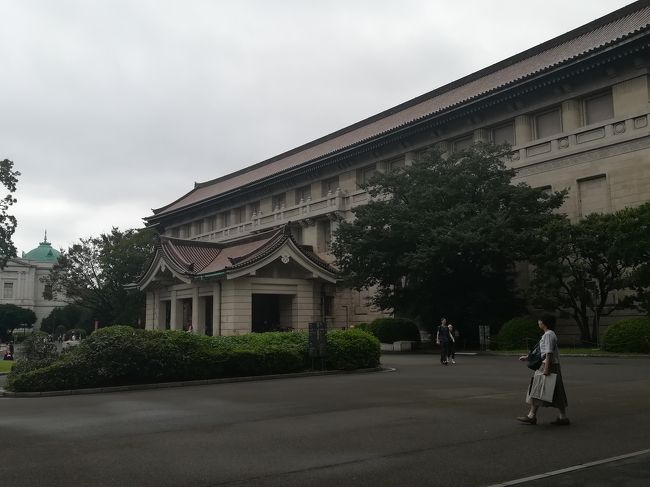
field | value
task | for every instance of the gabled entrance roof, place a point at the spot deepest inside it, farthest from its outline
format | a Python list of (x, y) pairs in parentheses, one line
[(190, 260)]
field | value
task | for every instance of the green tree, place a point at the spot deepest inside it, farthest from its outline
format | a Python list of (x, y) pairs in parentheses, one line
[(12, 317), (68, 317), (441, 237), (593, 267), (8, 178), (92, 274)]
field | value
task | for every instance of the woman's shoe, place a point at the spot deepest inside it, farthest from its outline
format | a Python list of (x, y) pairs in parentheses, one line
[(561, 422), (527, 420)]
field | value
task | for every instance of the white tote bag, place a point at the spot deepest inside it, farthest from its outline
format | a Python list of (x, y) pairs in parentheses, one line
[(542, 387)]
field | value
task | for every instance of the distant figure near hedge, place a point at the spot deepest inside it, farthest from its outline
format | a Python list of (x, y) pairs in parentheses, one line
[(443, 338)]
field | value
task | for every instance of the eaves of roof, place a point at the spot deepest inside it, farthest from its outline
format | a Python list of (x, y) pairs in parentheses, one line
[(588, 42)]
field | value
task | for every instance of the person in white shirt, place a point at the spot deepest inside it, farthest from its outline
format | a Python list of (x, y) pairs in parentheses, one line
[(550, 365)]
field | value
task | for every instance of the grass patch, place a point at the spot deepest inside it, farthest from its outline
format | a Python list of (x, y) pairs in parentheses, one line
[(6, 365)]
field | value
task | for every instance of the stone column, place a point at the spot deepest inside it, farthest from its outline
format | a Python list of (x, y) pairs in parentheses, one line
[(216, 310), (161, 313), (198, 327), (174, 321), (571, 115)]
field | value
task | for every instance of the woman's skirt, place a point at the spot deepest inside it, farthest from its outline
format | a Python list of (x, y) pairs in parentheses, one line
[(559, 394)]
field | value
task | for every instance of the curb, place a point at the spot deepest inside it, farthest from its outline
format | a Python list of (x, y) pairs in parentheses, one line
[(189, 383)]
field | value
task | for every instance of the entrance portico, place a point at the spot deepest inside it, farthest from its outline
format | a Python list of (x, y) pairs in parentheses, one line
[(257, 283)]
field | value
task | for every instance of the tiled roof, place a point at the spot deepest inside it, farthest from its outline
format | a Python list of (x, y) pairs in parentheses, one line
[(196, 258), (589, 38)]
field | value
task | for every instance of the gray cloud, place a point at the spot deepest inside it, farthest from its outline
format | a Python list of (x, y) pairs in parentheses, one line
[(110, 108)]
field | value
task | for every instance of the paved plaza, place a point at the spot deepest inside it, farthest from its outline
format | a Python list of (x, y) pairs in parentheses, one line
[(422, 424)]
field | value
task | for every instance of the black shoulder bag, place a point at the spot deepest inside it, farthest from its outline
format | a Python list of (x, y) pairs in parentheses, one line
[(535, 358)]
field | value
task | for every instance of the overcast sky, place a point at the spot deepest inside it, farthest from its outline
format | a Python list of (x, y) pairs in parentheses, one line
[(110, 108)]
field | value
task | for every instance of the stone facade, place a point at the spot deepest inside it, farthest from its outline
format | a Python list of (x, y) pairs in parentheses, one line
[(575, 110)]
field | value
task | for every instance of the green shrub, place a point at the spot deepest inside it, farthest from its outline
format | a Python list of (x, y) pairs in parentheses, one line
[(37, 346), (361, 326), (517, 333), (389, 330), (631, 335), (122, 355), (352, 349)]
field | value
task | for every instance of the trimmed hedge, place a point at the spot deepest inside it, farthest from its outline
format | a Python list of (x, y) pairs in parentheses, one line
[(631, 336), (352, 349), (121, 355), (517, 333), (389, 330)]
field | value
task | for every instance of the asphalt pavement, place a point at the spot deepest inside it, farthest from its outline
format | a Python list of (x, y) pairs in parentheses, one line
[(422, 424)]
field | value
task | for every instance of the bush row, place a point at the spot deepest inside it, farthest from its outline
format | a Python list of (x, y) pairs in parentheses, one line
[(390, 330), (631, 335), (121, 355)]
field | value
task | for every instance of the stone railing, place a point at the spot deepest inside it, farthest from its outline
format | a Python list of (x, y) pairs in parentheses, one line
[(328, 205), (580, 140)]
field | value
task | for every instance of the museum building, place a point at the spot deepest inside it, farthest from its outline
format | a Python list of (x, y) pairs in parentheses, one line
[(249, 251)]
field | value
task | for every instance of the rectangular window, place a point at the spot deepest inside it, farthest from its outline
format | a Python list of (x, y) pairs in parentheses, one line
[(463, 143), (303, 194), (185, 230), (198, 227), (8, 291), (324, 235), (593, 196), (279, 201), (211, 224), (397, 164), (365, 174), (328, 305), (240, 215), (504, 134), (548, 123), (329, 186), (225, 219), (598, 108)]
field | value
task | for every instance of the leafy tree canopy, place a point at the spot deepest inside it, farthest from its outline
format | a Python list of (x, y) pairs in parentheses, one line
[(582, 268), (12, 317), (8, 178), (441, 237), (92, 274)]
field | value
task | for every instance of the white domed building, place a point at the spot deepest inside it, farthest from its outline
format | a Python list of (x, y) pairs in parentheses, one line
[(20, 280)]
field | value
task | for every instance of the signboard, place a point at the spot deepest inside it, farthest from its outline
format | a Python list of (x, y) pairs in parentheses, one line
[(317, 339)]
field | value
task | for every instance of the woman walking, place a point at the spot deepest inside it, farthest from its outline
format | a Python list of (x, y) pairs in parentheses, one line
[(550, 365)]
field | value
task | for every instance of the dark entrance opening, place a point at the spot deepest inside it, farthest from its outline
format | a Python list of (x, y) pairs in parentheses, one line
[(209, 330), (265, 312)]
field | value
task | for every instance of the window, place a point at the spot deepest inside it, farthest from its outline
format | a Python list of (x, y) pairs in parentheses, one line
[(504, 134), (303, 194), (8, 291), (365, 174), (599, 107), (175, 232), (463, 143), (324, 235), (225, 219), (593, 195), (548, 123), (279, 201), (330, 185), (185, 230), (328, 305), (239, 214), (397, 164), (47, 292), (211, 223), (198, 227), (255, 208)]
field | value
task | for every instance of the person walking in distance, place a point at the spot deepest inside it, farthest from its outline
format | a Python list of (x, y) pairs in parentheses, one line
[(452, 344), (442, 339), (550, 365)]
